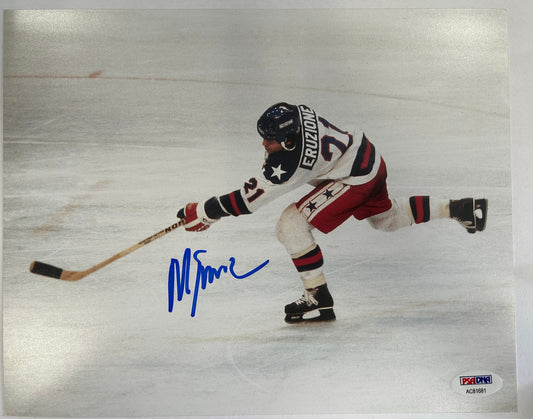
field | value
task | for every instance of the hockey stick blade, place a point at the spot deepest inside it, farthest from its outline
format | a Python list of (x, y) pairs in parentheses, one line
[(51, 271), (45, 269)]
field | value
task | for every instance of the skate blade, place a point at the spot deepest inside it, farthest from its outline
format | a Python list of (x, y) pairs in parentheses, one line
[(326, 315)]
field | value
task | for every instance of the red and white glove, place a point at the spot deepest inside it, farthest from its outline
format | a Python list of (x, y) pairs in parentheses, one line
[(195, 217)]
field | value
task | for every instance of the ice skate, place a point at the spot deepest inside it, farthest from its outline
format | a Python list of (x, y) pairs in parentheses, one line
[(470, 213), (313, 299)]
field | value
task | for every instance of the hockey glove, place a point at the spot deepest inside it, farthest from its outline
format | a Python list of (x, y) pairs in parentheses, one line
[(195, 217)]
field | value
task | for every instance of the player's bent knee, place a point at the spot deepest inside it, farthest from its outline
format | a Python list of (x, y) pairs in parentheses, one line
[(293, 230), (290, 222)]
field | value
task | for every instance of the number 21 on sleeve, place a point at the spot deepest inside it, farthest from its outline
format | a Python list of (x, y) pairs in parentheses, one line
[(251, 191)]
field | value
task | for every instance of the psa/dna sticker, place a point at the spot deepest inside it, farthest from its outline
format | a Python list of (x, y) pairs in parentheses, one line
[(477, 383)]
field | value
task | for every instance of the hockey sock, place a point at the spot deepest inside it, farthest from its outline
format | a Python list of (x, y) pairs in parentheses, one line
[(309, 265), (420, 208), (424, 208), (311, 259)]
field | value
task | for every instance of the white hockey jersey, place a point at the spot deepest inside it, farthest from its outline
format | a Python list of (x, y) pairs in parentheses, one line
[(324, 152)]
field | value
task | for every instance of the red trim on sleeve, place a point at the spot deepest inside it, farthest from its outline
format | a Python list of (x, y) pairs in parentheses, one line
[(234, 203)]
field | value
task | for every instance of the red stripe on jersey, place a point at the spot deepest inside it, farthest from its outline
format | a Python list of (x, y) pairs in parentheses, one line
[(234, 203), (366, 157)]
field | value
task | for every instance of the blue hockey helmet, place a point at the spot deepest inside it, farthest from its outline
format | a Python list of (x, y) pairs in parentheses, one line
[(281, 123)]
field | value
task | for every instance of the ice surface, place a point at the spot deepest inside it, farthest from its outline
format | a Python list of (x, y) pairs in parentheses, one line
[(115, 119)]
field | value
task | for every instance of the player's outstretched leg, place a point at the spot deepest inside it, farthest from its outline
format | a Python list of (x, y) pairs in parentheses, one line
[(470, 213), (313, 299)]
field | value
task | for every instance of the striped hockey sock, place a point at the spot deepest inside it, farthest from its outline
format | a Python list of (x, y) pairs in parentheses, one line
[(424, 208), (420, 208), (309, 261), (309, 265)]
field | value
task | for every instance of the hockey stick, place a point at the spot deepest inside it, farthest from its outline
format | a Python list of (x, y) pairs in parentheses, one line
[(51, 271)]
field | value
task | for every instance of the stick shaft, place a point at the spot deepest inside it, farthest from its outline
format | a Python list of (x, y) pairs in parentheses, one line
[(135, 247), (54, 272)]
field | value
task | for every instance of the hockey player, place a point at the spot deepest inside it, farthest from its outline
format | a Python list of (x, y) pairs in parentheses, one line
[(349, 179)]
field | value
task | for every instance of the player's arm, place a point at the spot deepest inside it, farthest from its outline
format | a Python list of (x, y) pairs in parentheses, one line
[(255, 192), (278, 175), (200, 215)]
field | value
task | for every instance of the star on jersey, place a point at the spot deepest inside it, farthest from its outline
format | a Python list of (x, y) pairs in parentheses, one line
[(311, 206), (278, 171), (328, 194)]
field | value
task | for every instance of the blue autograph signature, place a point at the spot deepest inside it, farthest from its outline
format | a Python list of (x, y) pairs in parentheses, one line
[(204, 275)]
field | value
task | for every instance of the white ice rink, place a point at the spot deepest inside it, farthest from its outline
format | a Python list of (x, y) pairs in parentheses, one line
[(113, 120)]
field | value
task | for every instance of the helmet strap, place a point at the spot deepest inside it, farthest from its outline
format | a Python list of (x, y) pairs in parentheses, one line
[(288, 147), (289, 143)]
